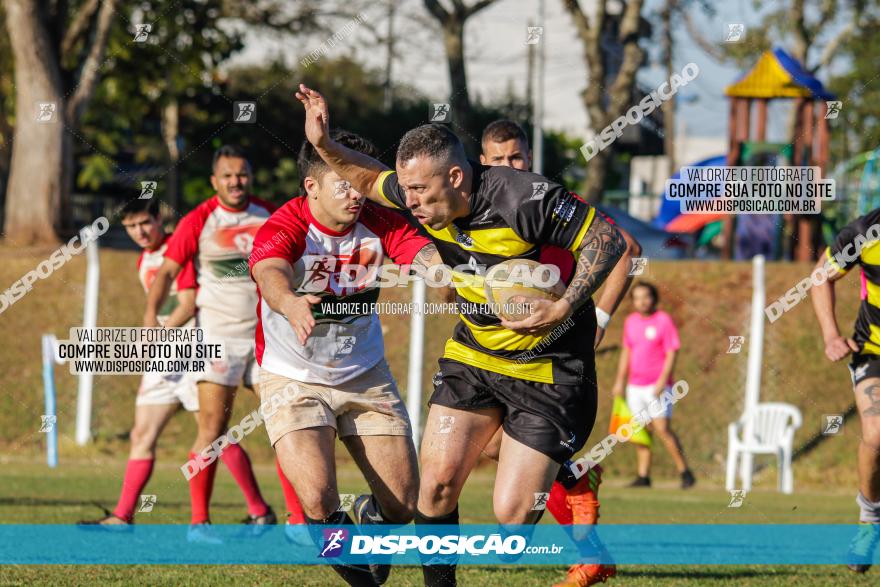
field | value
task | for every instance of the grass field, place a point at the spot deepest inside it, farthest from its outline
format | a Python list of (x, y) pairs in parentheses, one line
[(31, 494), (709, 301)]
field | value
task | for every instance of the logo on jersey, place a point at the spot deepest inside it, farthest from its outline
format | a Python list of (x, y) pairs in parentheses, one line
[(463, 239), (238, 238), (334, 541), (565, 209), (482, 218), (341, 274)]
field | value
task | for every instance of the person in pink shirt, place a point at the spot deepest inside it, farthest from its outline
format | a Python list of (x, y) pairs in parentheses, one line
[(650, 346)]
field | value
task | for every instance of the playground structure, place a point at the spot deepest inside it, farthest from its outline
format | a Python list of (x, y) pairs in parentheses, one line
[(857, 184), (778, 75)]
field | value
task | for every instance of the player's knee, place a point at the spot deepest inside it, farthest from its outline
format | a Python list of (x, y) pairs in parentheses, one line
[(318, 505), (142, 439), (211, 428), (439, 483), (513, 511)]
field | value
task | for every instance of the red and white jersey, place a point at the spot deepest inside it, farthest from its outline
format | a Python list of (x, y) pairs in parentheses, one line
[(219, 241), (347, 338), (148, 265)]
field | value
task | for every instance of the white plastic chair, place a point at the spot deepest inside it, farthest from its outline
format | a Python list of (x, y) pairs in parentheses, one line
[(767, 429)]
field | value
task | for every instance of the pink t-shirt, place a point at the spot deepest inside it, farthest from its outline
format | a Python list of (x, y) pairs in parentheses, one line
[(648, 339)]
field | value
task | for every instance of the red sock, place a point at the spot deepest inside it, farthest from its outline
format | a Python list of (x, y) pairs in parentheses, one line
[(137, 473), (200, 487), (294, 509), (557, 505), (239, 465)]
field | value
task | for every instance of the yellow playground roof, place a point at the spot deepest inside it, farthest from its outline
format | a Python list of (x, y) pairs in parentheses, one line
[(778, 75)]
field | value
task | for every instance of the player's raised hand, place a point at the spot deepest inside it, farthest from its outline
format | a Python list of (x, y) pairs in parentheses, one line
[(839, 347), (298, 312), (317, 115)]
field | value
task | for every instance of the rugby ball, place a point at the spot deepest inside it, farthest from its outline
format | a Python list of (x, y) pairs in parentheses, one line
[(511, 285)]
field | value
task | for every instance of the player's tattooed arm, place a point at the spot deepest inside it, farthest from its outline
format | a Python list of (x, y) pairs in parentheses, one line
[(427, 256), (274, 277), (361, 171), (601, 249), (618, 281)]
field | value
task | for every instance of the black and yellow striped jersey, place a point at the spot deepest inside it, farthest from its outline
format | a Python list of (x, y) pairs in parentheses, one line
[(857, 244), (512, 213)]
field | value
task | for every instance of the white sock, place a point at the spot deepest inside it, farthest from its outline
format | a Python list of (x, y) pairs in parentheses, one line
[(869, 511)]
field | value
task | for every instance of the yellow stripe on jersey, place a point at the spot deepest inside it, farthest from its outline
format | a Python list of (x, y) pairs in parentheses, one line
[(540, 370), (382, 177), (498, 338), (579, 238), (871, 253), (502, 242), (469, 286), (872, 348), (873, 295), (833, 261)]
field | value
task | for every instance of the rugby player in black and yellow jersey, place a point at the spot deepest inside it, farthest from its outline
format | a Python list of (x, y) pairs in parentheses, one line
[(858, 244), (479, 216)]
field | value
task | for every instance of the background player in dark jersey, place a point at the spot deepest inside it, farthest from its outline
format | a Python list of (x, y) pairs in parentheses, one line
[(858, 244), (480, 216), (572, 500)]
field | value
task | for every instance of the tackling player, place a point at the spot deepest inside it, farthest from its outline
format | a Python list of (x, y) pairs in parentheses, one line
[(217, 236), (857, 244), (572, 500), (319, 341), (480, 216)]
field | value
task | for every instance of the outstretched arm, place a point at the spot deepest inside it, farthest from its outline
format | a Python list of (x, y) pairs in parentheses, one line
[(274, 277), (600, 251), (361, 171)]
